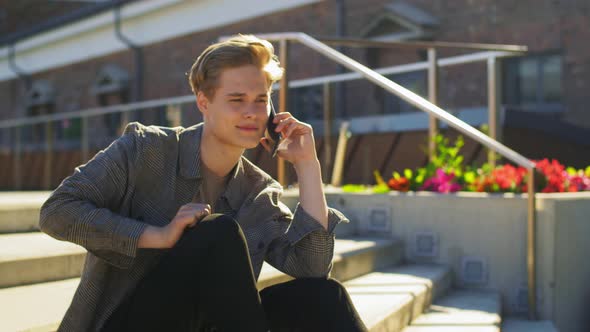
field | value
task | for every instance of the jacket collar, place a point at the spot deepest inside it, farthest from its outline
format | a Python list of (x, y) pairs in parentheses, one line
[(189, 161), (189, 153)]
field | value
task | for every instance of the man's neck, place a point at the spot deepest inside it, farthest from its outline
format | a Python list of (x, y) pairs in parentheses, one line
[(218, 157)]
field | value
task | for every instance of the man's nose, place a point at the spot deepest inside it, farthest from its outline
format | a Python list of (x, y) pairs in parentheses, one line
[(251, 110)]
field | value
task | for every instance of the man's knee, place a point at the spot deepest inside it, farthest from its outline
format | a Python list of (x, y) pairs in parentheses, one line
[(215, 228), (220, 223)]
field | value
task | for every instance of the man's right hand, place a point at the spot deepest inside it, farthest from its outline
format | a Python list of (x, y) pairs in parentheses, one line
[(166, 237)]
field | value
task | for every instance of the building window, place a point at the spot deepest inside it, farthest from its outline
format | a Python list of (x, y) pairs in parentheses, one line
[(533, 83), (306, 103)]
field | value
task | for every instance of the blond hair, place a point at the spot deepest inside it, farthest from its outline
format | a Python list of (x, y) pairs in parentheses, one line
[(235, 52)]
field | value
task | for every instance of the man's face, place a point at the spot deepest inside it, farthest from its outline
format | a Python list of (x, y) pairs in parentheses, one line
[(237, 114)]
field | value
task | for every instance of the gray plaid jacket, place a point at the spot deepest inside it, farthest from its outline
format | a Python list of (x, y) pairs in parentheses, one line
[(143, 178)]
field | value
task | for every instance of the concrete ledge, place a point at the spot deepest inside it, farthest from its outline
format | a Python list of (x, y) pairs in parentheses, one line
[(36, 308), (352, 257), (28, 258), (389, 299), (513, 324), (19, 211), (462, 311)]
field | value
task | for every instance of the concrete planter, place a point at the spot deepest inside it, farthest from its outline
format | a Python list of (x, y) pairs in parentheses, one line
[(483, 238)]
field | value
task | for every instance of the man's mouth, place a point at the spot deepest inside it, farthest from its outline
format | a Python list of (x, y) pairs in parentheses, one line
[(248, 128)]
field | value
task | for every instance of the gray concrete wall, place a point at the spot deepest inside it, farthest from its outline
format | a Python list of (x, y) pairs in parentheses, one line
[(572, 265), (490, 227)]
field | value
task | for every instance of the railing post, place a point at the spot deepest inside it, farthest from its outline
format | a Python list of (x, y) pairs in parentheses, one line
[(85, 144), (433, 98), (17, 161), (283, 101), (343, 136), (47, 174), (124, 122), (531, 246), (328, 110), (494, 101)]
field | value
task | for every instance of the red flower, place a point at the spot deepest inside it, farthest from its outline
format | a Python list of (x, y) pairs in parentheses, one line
[(509, 178), (555, 175), (400, 184)]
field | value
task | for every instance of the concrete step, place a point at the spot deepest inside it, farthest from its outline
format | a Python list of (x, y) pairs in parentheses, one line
[(353, 257), (50, 300), (518, 324), (27, 258), (19, 211), (38, 307), (389, 299), (461, 311)]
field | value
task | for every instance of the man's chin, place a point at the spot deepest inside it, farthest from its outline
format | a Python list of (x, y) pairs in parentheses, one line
[(249, 143)]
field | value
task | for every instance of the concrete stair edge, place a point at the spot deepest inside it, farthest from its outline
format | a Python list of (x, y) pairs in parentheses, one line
[(519, 324), (461, 311), (405, 292)]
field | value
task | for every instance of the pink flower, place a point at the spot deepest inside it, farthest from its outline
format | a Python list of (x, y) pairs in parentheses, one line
[(441, 182)]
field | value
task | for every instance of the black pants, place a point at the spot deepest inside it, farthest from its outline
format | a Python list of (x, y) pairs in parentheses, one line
[(206, 283)]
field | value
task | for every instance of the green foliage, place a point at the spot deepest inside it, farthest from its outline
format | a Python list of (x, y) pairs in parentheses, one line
[(447, 156), (354, 188), (571, 171), (408, 173), (381, 189)]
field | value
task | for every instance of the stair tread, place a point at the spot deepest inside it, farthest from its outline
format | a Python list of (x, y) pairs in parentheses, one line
[(18, 302), (461, 310), (383, 293), (22, 200), (515, 324), (31, 306), (38, 245), (21, 246), (342, 249)]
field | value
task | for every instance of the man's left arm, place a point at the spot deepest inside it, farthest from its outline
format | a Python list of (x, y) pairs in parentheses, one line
[(311, 232), (311, 191)]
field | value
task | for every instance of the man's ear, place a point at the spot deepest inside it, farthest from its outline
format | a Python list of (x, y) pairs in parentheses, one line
[(202, 102)]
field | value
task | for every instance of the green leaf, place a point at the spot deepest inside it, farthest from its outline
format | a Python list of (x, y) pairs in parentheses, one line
[(408, 173), (571, 171), (588, 171), (469, 177), (353, 188), (420, 179), (380, 189), (396, 175)]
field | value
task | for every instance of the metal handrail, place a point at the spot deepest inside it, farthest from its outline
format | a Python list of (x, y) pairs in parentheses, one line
[(403, 93), (356, 42), (120, 108)]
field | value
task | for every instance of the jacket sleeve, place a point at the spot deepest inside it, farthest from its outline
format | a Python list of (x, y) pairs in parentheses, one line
[(81, 209), (301, 247)]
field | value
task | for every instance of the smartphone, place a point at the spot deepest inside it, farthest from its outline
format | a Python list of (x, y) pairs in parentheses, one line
[(270, 128)]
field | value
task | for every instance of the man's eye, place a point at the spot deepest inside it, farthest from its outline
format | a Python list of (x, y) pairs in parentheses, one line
[(235, 100), (261, 101)]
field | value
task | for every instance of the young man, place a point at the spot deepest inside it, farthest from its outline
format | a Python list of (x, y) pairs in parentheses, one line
[(177, 223)]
